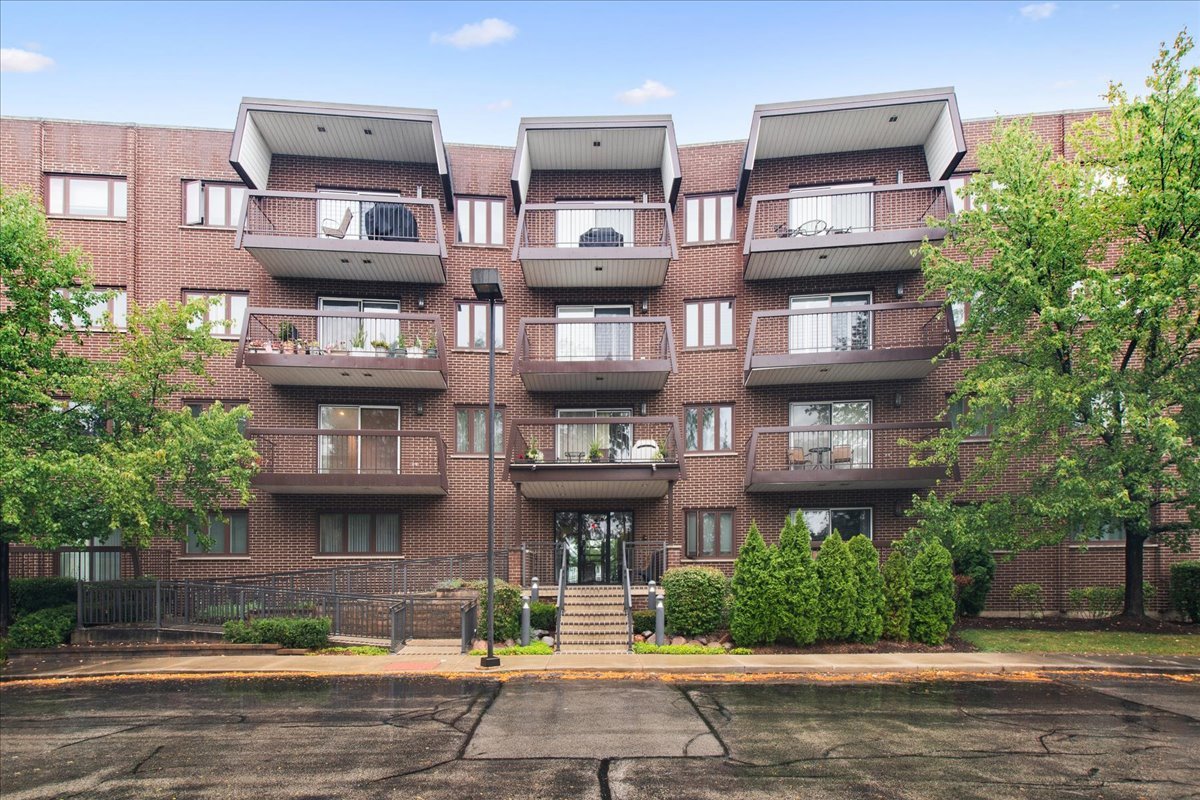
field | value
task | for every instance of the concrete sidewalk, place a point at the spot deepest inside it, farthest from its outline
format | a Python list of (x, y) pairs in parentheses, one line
[(836, 664)]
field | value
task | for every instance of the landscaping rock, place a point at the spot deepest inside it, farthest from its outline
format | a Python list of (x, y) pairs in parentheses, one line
[(548, 640), (678, 640), (637, 638), (510, 643), (727, 645), (702, 640), (647, 635), (479, 644)]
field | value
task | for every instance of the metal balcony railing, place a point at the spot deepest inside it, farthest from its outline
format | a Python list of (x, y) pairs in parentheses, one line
[(418, 456), (600, 227), (596, 441), (848, 328), (571, 339), (827, 449), (832, 211), (342, 216), (367, 334)]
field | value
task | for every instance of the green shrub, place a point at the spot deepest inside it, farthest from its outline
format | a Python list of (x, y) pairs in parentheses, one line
[(507, 619), (797, 576), (543, 616), (33, 594), (694, 599), (868, 625), (353, 650), (1097, 602), (646, 648), (449, 585), (644, 621), (1028, 597), (1185, 589), (933, 594), (531, 649), (755, 616), (837, 600), (291, 632), (897, 596), (47, 627), (974, 570)]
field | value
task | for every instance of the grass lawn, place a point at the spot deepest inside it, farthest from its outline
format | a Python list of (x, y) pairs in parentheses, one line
[(1082, 642)]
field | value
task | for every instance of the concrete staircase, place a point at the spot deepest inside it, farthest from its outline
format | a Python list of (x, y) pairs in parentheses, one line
[(594, 620)]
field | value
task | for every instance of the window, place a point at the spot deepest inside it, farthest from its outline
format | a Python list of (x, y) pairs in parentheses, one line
[(959, 198), (211, 204), (710, 218), (349, 534), (708, 323), (227, 536), (848, 522), (594, 341), (358, 454), (844, 449), (104, 305), (708, 428), (78, 196), (470, 429), (224, 311), (100, 561), (959, 408), (471, 325), (709, 533), (821, 214), (198, 407), (480, 220)]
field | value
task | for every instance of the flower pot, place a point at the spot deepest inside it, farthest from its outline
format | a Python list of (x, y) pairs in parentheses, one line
[(415, 352)]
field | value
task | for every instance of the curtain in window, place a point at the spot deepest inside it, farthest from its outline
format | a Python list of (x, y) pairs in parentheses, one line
[(358, 530), (387, 533), (331, 533)]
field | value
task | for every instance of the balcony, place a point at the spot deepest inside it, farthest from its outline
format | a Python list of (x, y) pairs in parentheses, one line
[(310, 461), (845, 344), (344, 236), (842, 231), (577, 245), (289, 347), (605, 354), (838, 457), (594, 458)]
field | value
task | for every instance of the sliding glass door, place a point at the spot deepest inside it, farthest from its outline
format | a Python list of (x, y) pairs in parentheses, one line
[(572, 442), (831, 449), (593, 340), (361, 453), (596, 226), (341, 332), (830, 332), (833, 213)]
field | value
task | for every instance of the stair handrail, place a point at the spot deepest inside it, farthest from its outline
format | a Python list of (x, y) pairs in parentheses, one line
[(562, 597), (628, 608)]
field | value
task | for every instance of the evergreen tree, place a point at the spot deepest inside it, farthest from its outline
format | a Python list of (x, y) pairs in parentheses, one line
[(897, 596), (756, 613), (869, 619), (797, 576), (933, 594), (837, 598)]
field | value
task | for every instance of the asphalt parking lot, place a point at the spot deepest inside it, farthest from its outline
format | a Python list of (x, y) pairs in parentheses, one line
[(422, 738)]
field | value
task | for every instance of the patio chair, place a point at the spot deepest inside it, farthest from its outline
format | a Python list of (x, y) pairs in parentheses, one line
[(842, 454), (338, 232), (798, 459)]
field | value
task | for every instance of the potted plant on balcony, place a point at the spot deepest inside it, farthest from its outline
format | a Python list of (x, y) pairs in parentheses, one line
[(398, 347), (532, 453), (417, 348), (381, 347), (661, 453), (314, 348), (255, 346), (359, 341), (595, 453), (340, 349), (288, 335), (431, 350)]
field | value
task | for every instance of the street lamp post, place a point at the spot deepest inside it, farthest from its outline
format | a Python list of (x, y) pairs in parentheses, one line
[(486, 283)]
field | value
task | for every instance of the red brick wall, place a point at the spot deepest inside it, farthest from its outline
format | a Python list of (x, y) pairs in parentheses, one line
[(156, 257)]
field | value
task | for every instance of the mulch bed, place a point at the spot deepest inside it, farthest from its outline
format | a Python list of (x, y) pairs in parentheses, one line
[(1057, 623)]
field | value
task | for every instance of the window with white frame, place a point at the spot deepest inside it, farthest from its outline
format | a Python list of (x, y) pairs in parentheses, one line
[(471, 325), (709, 218), (213, 204), (98, 196), (848, 522), (224, 312), (480, 220), (708, 323), (104, 305)]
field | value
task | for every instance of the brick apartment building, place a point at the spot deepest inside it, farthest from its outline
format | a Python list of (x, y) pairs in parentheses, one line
[(670, 341)]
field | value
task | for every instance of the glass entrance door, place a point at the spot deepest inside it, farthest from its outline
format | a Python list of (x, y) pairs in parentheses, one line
[(595, 542)]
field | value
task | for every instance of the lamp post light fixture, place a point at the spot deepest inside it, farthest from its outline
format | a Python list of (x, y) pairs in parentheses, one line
[(486, 283)]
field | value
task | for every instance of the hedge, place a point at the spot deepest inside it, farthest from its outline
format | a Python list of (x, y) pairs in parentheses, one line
[(694, 599), (33, 594), (868, 623), (755, 616), (644, 621), (1185, 589), (797, 577), (47, 627), (507, 618), (837, 601), (975, 567), (543, 616), (897, 596), (292, 632), (933, 594)]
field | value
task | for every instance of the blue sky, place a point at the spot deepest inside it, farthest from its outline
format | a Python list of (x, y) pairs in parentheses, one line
[(484, 65)]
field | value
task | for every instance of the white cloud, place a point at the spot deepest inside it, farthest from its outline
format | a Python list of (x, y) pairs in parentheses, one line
[(650, 90), (1038, 11), (477, 34), (14, 60), (500, 105)]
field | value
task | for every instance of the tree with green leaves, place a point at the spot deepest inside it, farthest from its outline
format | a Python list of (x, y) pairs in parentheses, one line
[(797, 576), (93, 446), (837, 598), (755, 618), (1082, 341), (897, 595), (868, 624), (932, 593)]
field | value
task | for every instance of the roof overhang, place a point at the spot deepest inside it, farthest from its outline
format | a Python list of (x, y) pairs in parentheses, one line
[(328, 130), (927, 118), (569, 143)]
